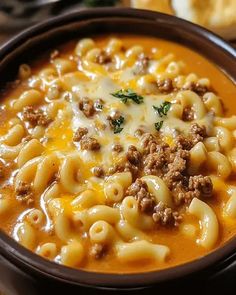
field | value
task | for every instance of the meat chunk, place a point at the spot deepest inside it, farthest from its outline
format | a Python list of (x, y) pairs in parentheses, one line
[(98, 251), (139, 190), (182, 142), (87, 107), (103, 58), (188, 114), (165, 215), (197, 88), (89, 143), (98, 172), (165, 86), (153, 163), (133, 155), (124, 166), (149, 143), (178, 160), (130, 163), (36, 117), (160, 212), (117, 148), (80, 132), (197, 133), (24, 193), (176, 168), (201, 183)]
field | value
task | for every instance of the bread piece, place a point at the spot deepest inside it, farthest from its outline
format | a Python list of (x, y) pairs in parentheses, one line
[(217, 15)]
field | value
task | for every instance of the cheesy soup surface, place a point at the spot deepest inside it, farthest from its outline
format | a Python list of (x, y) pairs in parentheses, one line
[(118, 154)]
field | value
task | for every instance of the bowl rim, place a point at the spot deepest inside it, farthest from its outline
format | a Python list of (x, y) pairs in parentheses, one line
[(23, 257)]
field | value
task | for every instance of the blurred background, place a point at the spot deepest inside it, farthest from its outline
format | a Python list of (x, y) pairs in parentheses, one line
[(216, 15)]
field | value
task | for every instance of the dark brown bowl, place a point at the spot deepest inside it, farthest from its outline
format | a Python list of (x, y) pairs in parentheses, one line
[(31, 43)]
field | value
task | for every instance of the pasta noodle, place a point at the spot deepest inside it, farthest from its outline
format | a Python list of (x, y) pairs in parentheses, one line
[(230, 206), (72, 254), (48, 250), (129, 252), (209, 223)]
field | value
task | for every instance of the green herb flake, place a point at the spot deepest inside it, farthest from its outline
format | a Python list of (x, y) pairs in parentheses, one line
[(117, 124), (125, 94), (158, 125), (163, 109)]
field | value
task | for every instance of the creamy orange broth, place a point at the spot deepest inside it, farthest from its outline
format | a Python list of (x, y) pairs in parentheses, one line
[(182, 248)]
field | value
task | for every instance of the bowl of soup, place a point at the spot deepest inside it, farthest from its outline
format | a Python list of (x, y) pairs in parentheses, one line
[(118, 149)]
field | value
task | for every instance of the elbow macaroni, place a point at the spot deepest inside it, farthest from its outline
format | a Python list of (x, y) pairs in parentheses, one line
[(208, 221), (141, 250)]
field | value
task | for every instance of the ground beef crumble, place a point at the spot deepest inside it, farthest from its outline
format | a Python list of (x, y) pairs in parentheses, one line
[(188, 114), (103, 58), (36, 117), (197, 133), (197, 88), (165, 86), (80, 132), (139, 190), (24, 193), (160, 213), (124, 166), (165, 215), (182, 142), (133, 155), (156, 159), (98, 251), (89, 143), (131, 162), (149, 143), (98, 171), (169, 163), (87, 107), (118, 148), (201, 183)]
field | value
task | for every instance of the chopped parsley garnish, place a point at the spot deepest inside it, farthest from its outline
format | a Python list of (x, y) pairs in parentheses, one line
[(158, 125), (125, 94), (116, 123), (163, 109)]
